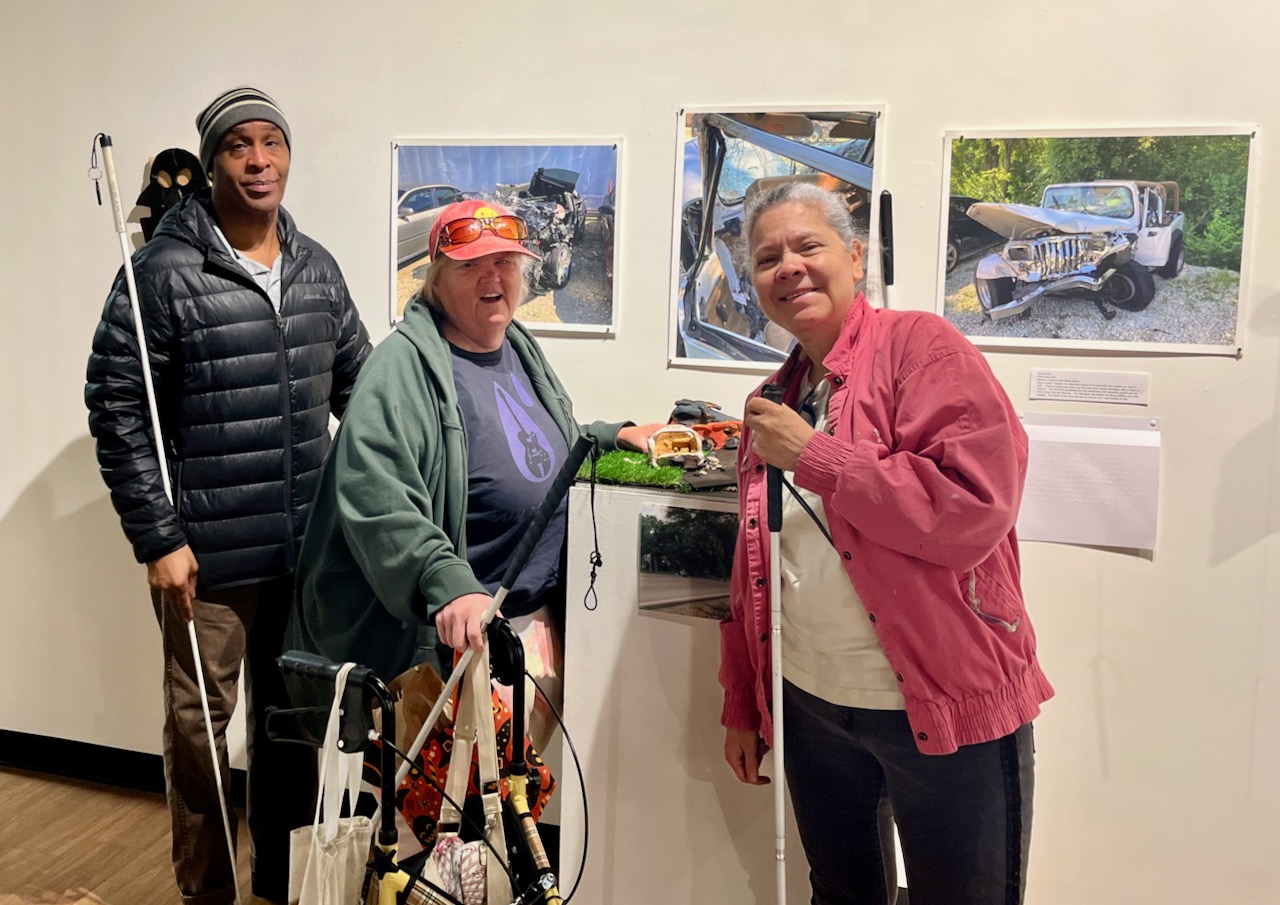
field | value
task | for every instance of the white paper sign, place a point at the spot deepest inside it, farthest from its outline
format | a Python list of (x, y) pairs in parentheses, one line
[(1091, 479), (1125, 388)]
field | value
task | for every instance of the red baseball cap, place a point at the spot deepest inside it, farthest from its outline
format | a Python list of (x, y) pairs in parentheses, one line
[(489, 241)]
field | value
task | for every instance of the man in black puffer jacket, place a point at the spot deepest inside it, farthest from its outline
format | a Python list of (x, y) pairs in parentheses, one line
[(254, 341)]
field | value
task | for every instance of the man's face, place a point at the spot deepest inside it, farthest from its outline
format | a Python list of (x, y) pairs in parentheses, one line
[(250, 170)]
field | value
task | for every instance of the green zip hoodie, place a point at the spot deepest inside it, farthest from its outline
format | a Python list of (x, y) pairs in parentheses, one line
[(385, 546)]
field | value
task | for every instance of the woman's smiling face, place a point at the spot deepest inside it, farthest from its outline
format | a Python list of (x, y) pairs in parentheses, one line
[(479, 298), (804, 276)]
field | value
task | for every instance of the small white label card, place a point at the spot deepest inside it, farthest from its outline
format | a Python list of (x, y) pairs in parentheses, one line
[(1116, 387)]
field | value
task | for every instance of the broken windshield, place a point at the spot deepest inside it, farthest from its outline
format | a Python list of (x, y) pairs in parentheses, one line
[(1114, 201), (745, 162)]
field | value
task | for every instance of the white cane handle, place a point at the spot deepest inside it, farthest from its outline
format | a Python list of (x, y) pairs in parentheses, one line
[(113, 186)]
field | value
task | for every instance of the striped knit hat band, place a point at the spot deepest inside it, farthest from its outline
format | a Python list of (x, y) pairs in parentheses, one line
[(239, 105)]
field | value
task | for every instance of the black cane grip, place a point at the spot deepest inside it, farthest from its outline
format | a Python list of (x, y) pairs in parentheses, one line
[(773, 392), (886, 237), (104, 140), (559, 487), (310, 666)]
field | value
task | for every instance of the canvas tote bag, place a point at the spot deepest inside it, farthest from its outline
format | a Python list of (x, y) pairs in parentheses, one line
[(327, 859)]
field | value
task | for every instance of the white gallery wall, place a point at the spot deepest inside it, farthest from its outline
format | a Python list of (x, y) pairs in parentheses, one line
[(1158, 775)]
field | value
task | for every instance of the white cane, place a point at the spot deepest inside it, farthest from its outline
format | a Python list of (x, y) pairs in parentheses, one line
[(773, 393), (113, 187)]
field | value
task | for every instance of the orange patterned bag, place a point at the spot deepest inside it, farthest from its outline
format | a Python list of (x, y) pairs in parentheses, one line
[(418, 798)]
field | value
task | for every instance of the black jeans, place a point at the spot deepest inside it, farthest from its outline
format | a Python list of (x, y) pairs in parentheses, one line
[(964, 818)]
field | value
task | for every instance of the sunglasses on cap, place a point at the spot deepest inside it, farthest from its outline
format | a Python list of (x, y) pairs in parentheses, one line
[(466, 230)]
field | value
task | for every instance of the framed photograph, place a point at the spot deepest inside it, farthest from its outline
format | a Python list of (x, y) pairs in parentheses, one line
[(566, 192), (686, 557), (724, 159), (1109, 239)]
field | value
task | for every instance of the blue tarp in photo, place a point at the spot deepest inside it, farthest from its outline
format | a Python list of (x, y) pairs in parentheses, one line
[(478, 168)]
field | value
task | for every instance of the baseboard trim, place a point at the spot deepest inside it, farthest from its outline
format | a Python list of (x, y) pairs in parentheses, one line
[(145, 772), (93, 763)]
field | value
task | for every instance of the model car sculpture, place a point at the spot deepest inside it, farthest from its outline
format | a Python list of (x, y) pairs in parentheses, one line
[(1103, 238)]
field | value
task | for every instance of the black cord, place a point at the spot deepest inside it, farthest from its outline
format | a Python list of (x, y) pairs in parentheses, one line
[(591, 599), (582, 784), (95, 171), (805, 506)]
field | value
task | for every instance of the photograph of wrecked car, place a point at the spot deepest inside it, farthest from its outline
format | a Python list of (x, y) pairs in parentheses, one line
[(727, 158), (565, 195), (1097, 240)]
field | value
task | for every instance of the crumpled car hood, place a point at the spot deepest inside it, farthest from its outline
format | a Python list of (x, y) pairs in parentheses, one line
[(1019, 221)]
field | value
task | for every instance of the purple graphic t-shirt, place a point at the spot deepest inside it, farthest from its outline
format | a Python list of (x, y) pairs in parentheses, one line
[(514, 450)]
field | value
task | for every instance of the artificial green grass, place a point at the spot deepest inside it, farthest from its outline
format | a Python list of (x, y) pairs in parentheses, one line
[(627, 467)]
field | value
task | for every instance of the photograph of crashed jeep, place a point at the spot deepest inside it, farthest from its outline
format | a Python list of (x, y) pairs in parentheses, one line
[(564, 193), (1120, 241), (724, 160)]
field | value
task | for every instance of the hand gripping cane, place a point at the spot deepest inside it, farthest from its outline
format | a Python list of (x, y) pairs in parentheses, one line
[(117, 212), (773, 393)]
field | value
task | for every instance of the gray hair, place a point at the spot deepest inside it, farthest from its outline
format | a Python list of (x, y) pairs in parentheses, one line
[(831, 206), (432, 275)]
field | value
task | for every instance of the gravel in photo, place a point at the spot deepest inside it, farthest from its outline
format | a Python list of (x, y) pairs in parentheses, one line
[(1198, 307)]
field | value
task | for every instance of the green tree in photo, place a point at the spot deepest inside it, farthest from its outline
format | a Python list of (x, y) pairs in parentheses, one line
[(1211, 171), (691, 542), (1003, 170)]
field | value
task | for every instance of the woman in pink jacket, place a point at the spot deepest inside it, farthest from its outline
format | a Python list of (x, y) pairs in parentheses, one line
[(909, 664)]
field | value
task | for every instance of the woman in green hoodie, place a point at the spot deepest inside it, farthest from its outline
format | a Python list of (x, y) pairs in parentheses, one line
[(455, 430)]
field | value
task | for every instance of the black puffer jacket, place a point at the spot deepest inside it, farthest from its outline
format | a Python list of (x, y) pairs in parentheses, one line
[(244, 396)]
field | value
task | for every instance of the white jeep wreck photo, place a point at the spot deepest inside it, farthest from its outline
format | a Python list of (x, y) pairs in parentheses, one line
[(1111, 241), (1102, 238)]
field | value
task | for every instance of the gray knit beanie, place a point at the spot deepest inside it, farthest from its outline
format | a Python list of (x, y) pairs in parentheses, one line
[(230, 109)]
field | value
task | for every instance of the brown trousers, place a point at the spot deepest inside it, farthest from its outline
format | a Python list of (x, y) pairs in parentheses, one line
[(241, 624)]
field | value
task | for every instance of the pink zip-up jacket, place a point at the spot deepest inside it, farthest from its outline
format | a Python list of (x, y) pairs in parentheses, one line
[(920, 472)]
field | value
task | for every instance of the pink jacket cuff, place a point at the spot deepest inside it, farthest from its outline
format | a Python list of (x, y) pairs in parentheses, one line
[(824, 459), (740, 711)]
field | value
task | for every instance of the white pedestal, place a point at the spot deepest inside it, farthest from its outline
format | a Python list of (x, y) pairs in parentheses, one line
[(668, 822)]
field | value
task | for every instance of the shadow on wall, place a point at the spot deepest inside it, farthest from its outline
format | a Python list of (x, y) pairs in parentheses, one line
[(80, 650), (1239, 522)]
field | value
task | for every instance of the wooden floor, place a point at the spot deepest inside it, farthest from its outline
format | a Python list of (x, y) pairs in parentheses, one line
[(67, 842)]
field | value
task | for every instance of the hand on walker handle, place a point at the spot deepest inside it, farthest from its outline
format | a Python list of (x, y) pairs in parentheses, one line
[(459, 622), (174, 575), (744, 749)]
